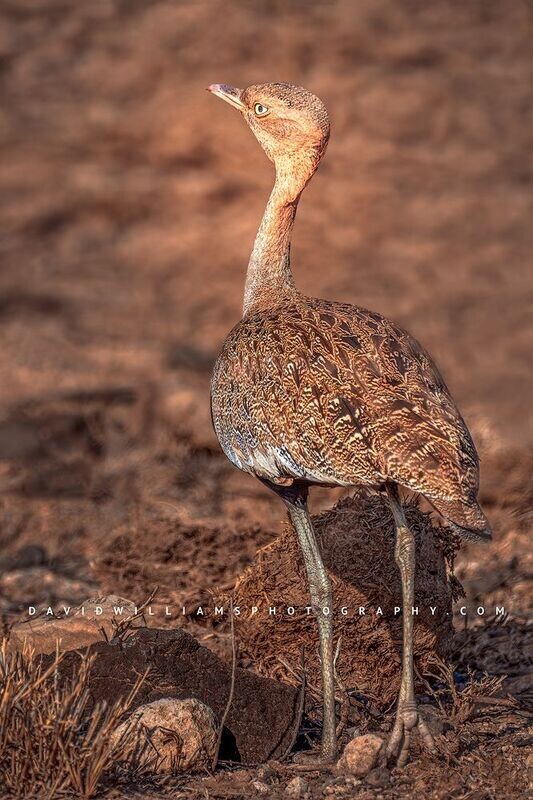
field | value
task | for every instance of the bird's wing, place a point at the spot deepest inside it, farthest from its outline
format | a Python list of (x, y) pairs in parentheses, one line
[(335, 394), (389, 399)]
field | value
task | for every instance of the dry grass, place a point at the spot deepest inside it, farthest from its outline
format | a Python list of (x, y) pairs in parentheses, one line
[(458, 706), (53, 741)]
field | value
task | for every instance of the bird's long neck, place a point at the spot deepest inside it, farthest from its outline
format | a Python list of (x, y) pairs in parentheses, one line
[(269, 277), (269, 274)]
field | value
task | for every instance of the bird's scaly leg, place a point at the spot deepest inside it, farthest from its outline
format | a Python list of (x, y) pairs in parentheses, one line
[(321, 598), (407, 715)]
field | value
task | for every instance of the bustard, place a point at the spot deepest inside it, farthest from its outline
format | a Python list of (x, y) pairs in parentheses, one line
[(312, 392)]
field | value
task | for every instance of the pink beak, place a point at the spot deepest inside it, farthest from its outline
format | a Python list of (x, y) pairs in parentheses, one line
[(230, 94)]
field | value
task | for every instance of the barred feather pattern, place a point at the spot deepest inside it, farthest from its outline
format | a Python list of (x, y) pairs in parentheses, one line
[(332, 394)]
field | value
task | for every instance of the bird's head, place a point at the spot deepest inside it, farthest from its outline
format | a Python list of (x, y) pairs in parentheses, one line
[(290, 123)]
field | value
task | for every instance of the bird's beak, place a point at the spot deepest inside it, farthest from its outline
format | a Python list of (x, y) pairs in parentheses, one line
[(228, 93)]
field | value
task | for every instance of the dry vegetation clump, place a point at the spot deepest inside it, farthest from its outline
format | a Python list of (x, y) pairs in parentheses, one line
[(53, 741), (356, 538)]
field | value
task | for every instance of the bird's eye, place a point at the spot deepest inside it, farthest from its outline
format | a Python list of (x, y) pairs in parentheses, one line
[(260, 109)]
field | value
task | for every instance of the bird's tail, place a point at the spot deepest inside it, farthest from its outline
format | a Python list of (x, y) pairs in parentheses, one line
[(466, 519)]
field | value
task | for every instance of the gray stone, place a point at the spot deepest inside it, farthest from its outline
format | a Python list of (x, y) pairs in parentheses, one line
[(168, 736)]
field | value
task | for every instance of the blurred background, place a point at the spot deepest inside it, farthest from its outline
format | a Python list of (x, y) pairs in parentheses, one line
[(129, 200)]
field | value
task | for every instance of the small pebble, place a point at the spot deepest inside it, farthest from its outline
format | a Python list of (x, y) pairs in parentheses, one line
[(266, 773), (361, 755), (260, 787), (297, 787), (351, 781)]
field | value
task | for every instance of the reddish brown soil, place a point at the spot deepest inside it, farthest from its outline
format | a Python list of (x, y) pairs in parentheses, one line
[(129, 198)]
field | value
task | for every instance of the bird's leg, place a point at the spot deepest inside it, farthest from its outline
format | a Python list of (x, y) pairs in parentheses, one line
[(321, 598), (407, 716)]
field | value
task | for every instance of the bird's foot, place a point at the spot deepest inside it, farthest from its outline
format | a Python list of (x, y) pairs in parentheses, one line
[(313, 759), (408, 718)]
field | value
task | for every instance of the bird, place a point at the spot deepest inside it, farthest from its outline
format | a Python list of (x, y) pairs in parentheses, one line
[(309, 392)]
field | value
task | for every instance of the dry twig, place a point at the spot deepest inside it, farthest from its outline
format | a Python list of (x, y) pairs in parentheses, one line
[(300, 710), (231, 691), (53, 739)]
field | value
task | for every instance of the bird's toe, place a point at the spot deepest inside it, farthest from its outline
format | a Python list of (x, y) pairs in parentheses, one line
[(400, 739)]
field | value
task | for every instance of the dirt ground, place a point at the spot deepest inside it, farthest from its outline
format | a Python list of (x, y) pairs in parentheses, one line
[(129, 199)]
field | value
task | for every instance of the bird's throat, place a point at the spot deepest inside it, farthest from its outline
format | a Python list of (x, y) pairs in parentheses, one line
[(269, 277)]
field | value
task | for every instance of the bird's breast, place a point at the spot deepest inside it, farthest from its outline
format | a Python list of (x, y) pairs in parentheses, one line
[(279, 403)]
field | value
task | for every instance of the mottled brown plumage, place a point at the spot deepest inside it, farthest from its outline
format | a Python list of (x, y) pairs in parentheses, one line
[(333, 394), (309, 391)]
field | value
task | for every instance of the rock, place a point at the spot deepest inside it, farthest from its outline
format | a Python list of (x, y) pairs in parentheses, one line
[(168, 736), (266, 773), (82, 626), (379, 777), (297, 787), (262, 716), (361, 755), (260, 787)]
